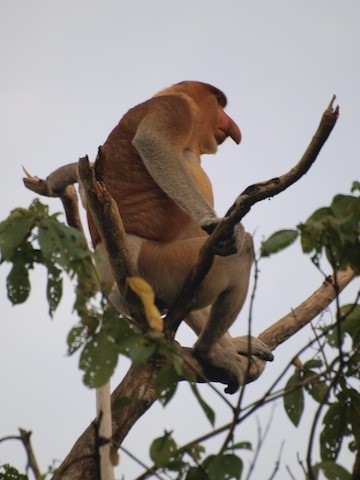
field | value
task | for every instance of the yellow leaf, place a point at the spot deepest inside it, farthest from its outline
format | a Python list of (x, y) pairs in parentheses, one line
[(147, 296), (297, 362)]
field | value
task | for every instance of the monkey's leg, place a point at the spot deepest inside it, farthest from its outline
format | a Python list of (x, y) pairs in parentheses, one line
[(167, 266), (227, 302)]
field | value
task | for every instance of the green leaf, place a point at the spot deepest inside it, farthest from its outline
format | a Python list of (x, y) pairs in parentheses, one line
[(76, 338), (223, 467), (314, 363), (196, 474), (240, 445), (294, 401), (166, 383), (18, 283), (333, 471), (14, 231), (350, 325), (351, 313), (99, 359), (59, 243), (54, 287), (163, 449), (278, 241), (209, 412), (335, 427), (317, 390), (354, 363), (342, 206), (354, 413), (335, 231)]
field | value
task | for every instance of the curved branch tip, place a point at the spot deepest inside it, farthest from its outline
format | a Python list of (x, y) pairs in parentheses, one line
[(331, 108)]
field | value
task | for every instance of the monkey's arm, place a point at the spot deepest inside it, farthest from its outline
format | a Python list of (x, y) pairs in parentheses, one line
[(162, 140)]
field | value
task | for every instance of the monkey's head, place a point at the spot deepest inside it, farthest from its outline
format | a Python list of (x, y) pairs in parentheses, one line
[(215, 124)]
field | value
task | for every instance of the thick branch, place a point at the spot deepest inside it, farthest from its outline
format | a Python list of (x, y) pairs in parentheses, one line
[(291, 323), (109, 224)]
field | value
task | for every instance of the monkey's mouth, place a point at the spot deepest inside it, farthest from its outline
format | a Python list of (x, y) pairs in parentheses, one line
[(220, 136)]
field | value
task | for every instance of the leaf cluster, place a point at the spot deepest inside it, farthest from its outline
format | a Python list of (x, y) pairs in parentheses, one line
[(190, 461), (333, 231), (33, 236), (8, 472)]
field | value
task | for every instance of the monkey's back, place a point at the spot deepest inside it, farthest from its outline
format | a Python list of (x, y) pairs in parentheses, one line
[(145, 209)]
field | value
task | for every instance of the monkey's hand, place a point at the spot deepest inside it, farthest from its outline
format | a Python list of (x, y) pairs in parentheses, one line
[(225, 246)]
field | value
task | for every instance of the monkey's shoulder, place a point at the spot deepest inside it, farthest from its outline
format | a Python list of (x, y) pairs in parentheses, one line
[(170, 111)]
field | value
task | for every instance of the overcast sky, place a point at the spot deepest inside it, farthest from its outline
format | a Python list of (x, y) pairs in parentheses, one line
[(69, 71)]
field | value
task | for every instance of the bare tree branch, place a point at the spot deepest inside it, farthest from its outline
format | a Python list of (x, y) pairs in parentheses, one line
[(59, 184), (291, 323), (55, 183), (109, 224), (32, 463)]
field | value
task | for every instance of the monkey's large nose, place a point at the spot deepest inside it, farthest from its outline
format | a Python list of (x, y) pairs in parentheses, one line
[(228, 127), (234, 131)]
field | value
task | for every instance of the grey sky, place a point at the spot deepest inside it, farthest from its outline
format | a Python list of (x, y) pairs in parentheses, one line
[(70, 70)]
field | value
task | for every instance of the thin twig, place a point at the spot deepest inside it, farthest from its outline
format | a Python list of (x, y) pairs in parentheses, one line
[(261, 440), (139, 462), (289, 472), (277, 465)]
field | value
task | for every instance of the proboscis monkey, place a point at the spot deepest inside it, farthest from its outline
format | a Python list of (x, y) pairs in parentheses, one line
[(152, 169)]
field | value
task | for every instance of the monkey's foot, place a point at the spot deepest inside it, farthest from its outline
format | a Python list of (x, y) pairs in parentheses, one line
[(246, 345), (222, 366), (227, 362)]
